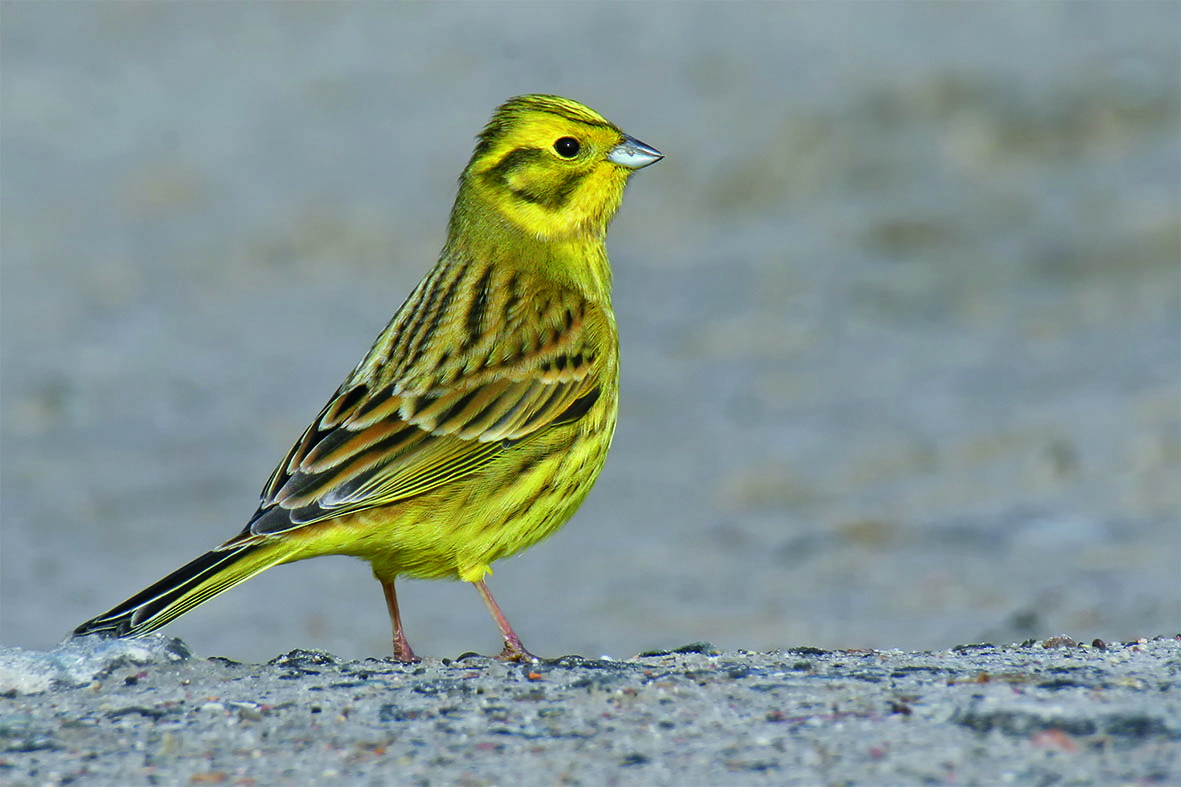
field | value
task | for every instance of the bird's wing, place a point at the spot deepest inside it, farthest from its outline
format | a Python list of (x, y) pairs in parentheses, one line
[(375, 445)]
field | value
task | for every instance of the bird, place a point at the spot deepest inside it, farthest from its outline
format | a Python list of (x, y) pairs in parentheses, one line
[(478, 421)]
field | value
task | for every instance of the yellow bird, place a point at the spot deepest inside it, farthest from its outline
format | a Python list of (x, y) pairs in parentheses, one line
[(479, 420)]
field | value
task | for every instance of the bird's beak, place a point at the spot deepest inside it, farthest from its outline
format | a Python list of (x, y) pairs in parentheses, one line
[(633, 154)]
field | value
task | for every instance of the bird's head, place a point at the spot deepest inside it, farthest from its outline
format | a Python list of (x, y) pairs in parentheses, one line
[(553, 168)]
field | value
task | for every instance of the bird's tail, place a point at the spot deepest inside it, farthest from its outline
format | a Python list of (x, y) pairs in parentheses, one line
[(185, 588)]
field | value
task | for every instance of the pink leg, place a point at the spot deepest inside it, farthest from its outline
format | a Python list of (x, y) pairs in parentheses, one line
[(402, 651), (513, 649)]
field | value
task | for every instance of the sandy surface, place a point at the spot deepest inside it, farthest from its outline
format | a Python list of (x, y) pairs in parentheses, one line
[(1052, 712), (901, 318)]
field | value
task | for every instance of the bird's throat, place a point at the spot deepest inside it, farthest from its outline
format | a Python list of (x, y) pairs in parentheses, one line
[(483, 232)]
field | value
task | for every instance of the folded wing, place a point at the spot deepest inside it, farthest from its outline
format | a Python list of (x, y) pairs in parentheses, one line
[(376, 446)]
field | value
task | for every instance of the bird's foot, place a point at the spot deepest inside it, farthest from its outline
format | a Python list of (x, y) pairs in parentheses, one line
[(403, 652), (514, 652)]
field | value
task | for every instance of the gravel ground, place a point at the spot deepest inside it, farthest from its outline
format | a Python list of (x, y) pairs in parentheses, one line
[(1052, 712)]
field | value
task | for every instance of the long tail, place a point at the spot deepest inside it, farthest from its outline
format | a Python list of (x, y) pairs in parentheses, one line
[(185, 588)]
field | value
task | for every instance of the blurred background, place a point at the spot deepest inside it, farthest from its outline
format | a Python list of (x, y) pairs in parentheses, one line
[(901, 312)]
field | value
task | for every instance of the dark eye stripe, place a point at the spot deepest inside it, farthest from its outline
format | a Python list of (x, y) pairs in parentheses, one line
[(554, 198), (498, 175)]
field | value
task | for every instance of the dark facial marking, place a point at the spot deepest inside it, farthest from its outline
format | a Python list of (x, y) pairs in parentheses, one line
[(497, 176), (550, 198), (554, 198)]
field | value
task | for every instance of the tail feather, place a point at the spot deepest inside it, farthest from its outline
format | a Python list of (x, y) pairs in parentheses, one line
[(183, 589)]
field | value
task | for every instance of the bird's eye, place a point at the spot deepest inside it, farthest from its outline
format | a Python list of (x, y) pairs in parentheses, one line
[(567, 147)]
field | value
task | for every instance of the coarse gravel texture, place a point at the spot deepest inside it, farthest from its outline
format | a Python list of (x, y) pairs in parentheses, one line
[(1040, 713)]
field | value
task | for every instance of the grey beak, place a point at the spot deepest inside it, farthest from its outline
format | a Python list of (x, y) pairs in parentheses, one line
[(633, 154)]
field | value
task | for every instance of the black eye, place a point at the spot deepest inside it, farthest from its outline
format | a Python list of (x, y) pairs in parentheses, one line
[(567, 147)]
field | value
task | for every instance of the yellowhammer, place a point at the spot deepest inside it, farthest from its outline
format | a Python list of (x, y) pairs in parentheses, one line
[(480, 418)]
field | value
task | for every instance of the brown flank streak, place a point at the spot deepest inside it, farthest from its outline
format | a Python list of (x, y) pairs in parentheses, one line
[(545, 489)]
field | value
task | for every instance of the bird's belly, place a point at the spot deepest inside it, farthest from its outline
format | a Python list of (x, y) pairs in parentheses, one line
[(458, 530)]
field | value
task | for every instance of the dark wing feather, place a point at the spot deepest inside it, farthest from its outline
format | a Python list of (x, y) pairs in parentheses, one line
[(376, 446)]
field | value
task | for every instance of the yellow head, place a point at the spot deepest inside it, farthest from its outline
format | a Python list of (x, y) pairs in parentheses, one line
[(552, 167)]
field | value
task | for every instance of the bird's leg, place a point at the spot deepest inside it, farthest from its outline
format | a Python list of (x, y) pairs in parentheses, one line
[(513, 649), (402, 651)]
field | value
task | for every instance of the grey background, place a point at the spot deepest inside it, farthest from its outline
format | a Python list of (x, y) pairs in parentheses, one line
[(901, 311)]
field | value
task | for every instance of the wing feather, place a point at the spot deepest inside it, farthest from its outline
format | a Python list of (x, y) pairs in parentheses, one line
[(381, 441)]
